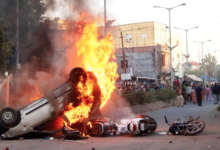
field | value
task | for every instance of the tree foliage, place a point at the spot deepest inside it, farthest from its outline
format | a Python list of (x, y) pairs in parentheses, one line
[(29, 15), (5, 49), (209, 63)]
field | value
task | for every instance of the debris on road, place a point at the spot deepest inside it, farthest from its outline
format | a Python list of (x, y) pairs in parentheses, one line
[(75, 141), (21, 139), (171, 142)]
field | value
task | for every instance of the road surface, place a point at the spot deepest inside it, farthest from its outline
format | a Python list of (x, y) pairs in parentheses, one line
[(208, 139)]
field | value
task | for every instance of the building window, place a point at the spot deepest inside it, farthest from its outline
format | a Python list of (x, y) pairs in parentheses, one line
[(128, 37), (144, 35), (126, 63), (163, 60)]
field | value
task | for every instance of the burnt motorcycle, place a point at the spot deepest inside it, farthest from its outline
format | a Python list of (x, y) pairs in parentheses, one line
[(187, 126)]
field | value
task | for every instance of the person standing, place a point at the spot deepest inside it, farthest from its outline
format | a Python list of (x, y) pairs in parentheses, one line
[(174, 84), (218, 91), (208, 93), (193, 95), (184, 94), (215, 93), (189, 90), (179, 96), (199, 95), (203, 92)]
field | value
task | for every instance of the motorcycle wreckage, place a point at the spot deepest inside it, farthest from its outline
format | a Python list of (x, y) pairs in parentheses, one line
[(187, 126)]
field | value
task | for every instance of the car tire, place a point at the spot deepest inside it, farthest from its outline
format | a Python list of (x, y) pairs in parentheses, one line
[(76, 73), (9, 117)]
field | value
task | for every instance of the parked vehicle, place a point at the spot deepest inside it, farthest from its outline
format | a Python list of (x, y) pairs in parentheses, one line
[(188, 126)]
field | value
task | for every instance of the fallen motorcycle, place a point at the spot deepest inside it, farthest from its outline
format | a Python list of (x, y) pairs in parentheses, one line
[(140, 125), (187, 126)]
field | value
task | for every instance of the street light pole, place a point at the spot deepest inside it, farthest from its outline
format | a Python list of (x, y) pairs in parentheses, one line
[(105, 16), (215, 64), (171, 66), (187, 56), (203, 71)]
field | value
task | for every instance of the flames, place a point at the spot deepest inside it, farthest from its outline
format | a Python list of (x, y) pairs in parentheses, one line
[(36, 94), (98, 56)]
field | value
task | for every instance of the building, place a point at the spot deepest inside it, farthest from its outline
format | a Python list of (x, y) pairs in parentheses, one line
[(192, 65), (146, 48), (147, 54)]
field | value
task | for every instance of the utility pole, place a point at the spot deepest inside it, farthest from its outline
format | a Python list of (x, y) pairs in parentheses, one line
[(156, 63), (105, 19), (216, 76), (187, 56), (17, 35), (171, 66), (123, 51), (203, 69)]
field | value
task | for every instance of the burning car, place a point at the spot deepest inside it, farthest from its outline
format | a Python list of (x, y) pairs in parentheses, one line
[(14, 123)]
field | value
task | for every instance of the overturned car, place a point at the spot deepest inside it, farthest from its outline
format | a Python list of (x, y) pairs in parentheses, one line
[(15, 123)]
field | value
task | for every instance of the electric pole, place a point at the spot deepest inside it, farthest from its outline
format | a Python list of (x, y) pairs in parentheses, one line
[(124, 65), (17, 35), (105, 19)]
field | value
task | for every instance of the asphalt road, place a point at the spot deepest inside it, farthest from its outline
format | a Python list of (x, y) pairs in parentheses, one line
[(208, 139)]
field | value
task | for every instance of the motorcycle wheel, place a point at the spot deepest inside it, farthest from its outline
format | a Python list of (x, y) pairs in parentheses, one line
[(150, 118), (195, 127)]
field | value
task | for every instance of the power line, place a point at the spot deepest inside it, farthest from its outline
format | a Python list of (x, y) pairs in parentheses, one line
[(133, 57)]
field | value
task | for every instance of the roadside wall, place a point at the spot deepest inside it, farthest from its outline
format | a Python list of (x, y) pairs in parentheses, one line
[(120, 112)]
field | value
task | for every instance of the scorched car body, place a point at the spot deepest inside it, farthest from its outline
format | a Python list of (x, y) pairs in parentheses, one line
[(15, 123)]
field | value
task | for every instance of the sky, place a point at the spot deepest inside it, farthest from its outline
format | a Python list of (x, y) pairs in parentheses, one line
[(204, 13)]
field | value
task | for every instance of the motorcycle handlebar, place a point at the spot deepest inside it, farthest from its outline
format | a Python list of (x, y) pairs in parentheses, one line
[(165, 119)]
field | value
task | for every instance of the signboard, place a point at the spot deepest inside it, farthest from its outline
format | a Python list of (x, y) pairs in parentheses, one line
[(125, 76)]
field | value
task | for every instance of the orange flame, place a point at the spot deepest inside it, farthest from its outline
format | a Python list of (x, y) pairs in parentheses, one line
[(36, 95), (98, 56)]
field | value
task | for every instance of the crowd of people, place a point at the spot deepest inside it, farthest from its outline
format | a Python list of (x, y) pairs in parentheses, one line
[(195, 93), (186, 92), (127, 86)]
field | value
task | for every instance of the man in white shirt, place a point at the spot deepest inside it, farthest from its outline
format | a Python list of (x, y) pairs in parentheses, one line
[(189, 90)]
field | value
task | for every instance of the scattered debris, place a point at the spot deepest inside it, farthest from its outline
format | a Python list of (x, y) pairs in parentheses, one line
[(21, 139), (171, 142), (6, 148), (93, 148), (215, 115), (75, 141), (209, 146)]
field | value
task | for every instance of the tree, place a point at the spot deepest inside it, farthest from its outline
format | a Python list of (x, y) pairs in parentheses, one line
[(189, 65), (5, 49), (209, 64), (29, 15)]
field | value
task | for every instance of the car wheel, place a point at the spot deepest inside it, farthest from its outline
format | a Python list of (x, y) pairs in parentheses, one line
[(9, 117), (78, 74)]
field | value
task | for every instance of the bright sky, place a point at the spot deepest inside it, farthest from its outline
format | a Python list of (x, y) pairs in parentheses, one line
[(204, 13)]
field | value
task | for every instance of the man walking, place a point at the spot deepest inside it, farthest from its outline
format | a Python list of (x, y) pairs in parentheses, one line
[(179, 96), (215, 93), (199, 95), (189, 91)]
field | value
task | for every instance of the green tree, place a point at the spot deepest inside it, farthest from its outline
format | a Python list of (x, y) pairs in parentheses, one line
[(29, 15), (209, 64), (5, 49), (196, 72)]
